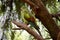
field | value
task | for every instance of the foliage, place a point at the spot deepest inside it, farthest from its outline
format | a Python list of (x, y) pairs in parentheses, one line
[(23, 10)]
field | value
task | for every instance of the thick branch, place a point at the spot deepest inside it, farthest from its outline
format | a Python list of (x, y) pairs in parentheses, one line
[(29, 30), (43, 15)]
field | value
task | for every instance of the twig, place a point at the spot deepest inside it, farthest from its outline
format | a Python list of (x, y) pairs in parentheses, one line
[(56, 16), (16, 29)]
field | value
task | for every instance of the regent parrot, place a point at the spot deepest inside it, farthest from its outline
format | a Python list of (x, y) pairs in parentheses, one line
[(32, 21)]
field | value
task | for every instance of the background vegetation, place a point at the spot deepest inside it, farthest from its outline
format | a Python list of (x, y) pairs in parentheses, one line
[(17, 10)]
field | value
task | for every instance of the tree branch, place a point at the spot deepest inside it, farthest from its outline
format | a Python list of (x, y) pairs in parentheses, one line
[(56, 16), (16, 28), (43, 15), (29, 30)]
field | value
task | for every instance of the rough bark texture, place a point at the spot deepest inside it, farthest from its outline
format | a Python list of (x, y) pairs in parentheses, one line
[(43, 15)]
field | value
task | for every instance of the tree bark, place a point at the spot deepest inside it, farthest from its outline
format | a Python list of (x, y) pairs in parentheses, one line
[(43, 15), (29, 30)]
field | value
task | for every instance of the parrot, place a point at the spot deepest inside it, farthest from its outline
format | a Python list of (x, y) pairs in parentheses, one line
[(29, 18), (32, 21)]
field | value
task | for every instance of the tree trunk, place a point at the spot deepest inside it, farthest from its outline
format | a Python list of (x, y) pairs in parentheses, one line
[(43, 15)]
